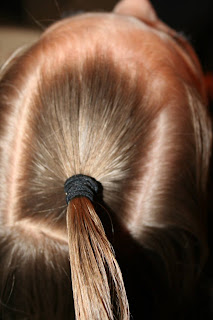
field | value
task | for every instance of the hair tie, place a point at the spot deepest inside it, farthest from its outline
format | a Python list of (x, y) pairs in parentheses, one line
[(82, 186)]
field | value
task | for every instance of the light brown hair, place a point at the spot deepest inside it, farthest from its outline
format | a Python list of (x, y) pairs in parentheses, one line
[(61, 117)]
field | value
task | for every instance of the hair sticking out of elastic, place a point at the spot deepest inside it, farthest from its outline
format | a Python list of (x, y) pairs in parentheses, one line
[(97, 282)]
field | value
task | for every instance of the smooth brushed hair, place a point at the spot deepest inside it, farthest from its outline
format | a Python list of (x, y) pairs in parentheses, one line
[(93, 117)]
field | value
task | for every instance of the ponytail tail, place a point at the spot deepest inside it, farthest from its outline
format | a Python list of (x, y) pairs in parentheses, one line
[(97, 282)]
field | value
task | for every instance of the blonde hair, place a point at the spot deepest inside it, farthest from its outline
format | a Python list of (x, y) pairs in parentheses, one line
[(95, 118)]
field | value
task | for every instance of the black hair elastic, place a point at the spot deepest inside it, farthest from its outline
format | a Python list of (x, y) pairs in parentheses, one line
[(81, 185)]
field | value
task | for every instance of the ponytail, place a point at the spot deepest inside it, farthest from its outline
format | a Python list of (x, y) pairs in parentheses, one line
[(97, 282)]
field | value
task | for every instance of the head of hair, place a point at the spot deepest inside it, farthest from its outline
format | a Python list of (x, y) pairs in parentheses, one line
[(62, 116)]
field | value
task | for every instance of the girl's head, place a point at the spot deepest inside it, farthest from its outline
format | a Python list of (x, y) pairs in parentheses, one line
[(118, 97)]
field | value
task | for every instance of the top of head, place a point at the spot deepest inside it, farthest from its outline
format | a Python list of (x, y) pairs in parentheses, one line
[(114, 101), (142, 57)]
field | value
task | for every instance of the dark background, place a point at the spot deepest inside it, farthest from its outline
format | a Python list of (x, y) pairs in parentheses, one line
[(193, 18)]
